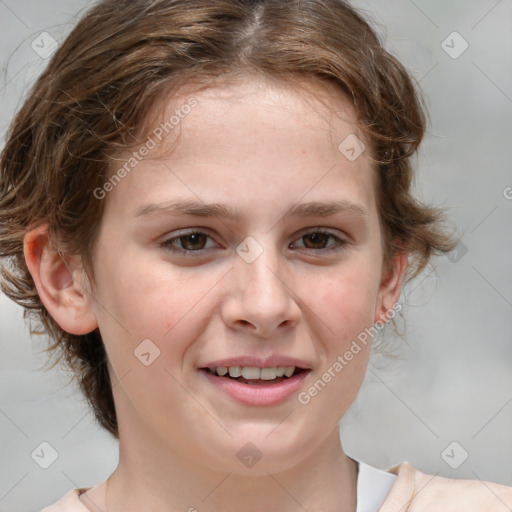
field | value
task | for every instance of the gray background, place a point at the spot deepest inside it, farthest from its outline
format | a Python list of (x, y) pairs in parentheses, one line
[(454, 379)]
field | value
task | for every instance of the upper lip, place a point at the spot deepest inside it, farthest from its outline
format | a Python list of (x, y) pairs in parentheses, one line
[(258, 362)]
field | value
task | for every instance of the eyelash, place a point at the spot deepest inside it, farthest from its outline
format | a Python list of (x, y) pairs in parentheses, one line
[(339, 243)]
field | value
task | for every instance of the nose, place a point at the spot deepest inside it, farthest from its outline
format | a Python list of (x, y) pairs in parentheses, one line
[(260, 298)]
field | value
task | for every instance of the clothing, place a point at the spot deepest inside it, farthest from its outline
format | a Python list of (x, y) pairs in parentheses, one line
[(410, 491), (415, 491), (373, 485)]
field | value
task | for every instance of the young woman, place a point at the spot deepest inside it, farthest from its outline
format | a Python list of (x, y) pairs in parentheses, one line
[(207, 205)]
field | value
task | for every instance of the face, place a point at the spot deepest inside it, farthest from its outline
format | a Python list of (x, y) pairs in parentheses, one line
[(254, 242)]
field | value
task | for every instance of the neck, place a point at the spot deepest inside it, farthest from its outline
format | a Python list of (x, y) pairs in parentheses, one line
[(150, 479)]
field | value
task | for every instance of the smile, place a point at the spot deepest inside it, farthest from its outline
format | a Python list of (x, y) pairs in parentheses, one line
[(257, 386)]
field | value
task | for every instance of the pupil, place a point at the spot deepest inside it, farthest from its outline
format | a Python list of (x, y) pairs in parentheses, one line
[(317, 238), (197, 241)]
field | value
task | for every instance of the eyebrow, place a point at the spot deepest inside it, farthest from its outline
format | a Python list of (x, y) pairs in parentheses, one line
[(221, 211)]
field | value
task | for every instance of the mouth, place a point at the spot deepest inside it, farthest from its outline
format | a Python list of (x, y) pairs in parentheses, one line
[(254, 386), (256, 376)]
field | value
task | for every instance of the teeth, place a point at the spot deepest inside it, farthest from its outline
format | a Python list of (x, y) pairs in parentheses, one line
[(268, 373), (288, 372), (252, 372), (235, 371), (281, 370)]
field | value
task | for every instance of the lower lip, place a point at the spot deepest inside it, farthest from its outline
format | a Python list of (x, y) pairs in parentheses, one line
[(258, 394)]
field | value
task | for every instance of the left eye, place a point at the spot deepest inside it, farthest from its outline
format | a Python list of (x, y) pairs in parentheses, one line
[(318, 240)]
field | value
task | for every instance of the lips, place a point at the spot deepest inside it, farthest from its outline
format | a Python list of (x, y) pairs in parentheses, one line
[(256, 380), (256, 392), (272, 361), (255, 370)]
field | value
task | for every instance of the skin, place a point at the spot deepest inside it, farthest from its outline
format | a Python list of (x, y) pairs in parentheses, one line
[(261, 147)]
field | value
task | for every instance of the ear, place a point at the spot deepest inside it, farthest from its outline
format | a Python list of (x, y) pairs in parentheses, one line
[(56, 277), (390, 287)]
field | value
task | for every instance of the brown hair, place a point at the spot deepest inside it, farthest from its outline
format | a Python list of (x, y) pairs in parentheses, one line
[(123, 55)]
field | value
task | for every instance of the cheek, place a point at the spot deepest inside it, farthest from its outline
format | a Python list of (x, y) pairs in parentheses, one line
[(147, 293), (345, 313), (153, 318), (151, 300), (345, 299)]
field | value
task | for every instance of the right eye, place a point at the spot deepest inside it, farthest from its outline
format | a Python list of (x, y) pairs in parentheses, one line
[(186, 243)]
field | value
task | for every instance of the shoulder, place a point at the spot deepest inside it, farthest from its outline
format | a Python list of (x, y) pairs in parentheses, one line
[(414, 491), (70, 502)]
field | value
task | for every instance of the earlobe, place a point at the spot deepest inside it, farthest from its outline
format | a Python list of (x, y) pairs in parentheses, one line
[(55, 277), (391, 287)]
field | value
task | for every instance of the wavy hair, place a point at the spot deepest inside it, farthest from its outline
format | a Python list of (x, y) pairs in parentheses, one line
[(120, 59)]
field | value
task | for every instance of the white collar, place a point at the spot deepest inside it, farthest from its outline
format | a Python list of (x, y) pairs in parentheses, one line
[(373, 486)]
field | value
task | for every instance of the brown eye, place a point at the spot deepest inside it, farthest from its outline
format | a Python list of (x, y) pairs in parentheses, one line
[(319, 242), (189, 243), (316, 240), (193, 241)]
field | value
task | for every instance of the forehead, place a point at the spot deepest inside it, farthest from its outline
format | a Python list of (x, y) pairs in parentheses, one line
[(251, 132), (324, 103)]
